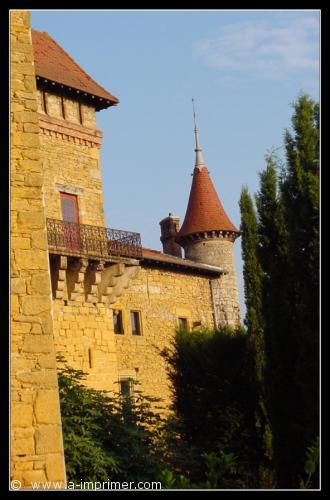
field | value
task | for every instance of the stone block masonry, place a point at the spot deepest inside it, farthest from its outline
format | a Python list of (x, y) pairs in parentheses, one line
[(84, 332), (36, 437), (70, 155), (220, 252), (161, 297)]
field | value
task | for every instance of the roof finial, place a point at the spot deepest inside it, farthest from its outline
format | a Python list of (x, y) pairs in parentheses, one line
[(199, 163)]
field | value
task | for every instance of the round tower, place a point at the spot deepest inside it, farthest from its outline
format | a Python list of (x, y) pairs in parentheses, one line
[(207, 236)]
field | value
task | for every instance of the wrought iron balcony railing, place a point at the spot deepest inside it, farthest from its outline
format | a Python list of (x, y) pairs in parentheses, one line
[(83, 239)]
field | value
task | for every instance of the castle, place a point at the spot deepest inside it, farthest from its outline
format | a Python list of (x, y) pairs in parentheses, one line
[(82, 290)]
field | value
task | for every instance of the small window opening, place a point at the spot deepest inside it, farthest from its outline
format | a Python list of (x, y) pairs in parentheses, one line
[(62, 107), (90, 358), (118, 322), (44, 101), (80, 113), (136, 323), (183, 323), (126, 388)]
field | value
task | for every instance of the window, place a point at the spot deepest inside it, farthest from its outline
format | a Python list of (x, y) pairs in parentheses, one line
[(118, 322), (62, 107), (69, 206), (135, 322), (44, 102), (90, 358), (183, 323), (126, 387), (80, 113), (70, 217)]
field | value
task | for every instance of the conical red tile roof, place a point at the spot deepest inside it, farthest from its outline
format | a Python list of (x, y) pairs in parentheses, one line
[(205, 211), (54, 64)]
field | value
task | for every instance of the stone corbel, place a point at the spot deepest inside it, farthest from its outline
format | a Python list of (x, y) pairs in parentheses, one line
[(75, 279), (109, 278), (115, 280), (92, 280), (58, 275)]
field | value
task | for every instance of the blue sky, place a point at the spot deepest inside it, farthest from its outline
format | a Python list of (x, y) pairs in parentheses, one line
[(243, 68)]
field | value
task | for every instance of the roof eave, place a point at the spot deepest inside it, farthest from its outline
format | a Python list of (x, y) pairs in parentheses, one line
[(187, 267), (97, 101)]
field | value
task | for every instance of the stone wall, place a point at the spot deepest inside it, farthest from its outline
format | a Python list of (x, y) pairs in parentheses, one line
[(36, 439), (161, 296), (70, 157), (62, 107), (220, 252), (85, 335), (85, 339)]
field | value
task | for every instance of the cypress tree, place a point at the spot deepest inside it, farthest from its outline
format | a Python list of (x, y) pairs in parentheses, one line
[(253, 281), (267, 208), (272, 253), (252, 271), (295, 343), (286, 264)]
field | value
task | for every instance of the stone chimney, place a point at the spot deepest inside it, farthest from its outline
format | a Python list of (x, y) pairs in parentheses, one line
[(169, 231)]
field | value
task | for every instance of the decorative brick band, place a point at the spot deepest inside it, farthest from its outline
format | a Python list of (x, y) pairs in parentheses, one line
[(69, 131)]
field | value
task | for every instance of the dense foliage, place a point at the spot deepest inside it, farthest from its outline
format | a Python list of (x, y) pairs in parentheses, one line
[(209, 442), (107, 437), (253, 288), (215, 398), (286, 250)]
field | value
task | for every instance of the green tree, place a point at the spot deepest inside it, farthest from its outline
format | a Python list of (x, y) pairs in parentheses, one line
[(107, 437), (254, 278), (295, 344), (215, 396), (288, 255)]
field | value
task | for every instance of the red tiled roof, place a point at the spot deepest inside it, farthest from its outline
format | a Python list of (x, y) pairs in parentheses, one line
[(205, 211), (149, 254), (54, 64)]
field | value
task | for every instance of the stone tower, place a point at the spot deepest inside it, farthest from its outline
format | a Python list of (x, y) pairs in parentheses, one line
[(207, 236)]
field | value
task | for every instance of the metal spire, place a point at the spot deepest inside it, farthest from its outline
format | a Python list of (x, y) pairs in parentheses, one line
[(199, 163)]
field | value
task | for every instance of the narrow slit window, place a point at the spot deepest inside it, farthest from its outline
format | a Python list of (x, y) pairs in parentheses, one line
[(136, 323), (44, 101), (90, 358), (80, 113), (118, 322), (62, 107)]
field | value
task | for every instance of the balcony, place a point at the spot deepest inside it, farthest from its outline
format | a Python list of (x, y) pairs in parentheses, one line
[(69, 238)]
